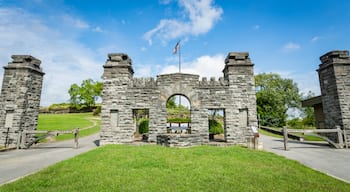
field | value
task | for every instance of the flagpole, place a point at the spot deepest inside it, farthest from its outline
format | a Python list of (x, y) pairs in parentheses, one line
[(179, 57)]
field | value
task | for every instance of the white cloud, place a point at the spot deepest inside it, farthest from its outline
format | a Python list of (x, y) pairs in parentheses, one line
[(75, 22), (200, 17), (65, 61), (205, 66), (315, 39), (307, 81), (143, 71), (97, 29), (289, 47), (165, 2), (256, 27)]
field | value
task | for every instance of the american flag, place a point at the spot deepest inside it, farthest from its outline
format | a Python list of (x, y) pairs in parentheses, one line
[(177, 46)]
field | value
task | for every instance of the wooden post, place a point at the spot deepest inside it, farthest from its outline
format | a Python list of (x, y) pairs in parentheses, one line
[(340, 137), (255, 137), (345, 139), (76, 136), (23, 139), (7, 137), (19, 139), (285, 137)]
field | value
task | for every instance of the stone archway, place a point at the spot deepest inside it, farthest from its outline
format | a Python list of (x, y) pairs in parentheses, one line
[(178, 114), (122, 93)]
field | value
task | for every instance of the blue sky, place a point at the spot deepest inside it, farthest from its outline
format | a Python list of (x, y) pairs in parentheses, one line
[(73, 37)]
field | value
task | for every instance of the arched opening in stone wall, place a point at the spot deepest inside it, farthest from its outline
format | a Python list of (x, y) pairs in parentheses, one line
[(178, 115), (141, 124), (217, 125)]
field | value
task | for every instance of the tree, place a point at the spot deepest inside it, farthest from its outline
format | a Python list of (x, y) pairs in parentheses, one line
[(274, 97), (171, 103), (308, 113), (86, 94), (215, 127)]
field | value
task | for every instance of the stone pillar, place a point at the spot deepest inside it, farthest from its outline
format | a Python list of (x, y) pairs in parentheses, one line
[(20, 97), (239, 72), (334, 76), (116, 114)]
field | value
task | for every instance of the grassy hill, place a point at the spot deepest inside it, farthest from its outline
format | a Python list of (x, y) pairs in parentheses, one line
[(86, 122)]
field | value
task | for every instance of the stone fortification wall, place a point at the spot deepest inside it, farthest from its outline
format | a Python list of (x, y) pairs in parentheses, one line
[(334, 76), (20, 97), (234, 93)]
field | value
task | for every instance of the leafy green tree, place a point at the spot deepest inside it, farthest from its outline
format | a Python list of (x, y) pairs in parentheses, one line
[(86, 94), (274, 97), (171, 103), (308, 113), (215, 127)]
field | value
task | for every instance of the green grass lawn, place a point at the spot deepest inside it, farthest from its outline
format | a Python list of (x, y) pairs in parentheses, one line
[(69, 122), (264, 132), (157, 168), (306, 137)]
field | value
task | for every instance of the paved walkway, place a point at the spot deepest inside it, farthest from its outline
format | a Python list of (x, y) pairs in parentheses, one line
[(19, 163), (319, 156)]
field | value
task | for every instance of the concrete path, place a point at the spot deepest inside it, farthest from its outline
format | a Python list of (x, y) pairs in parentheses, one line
[(16, 164), (319, 156)]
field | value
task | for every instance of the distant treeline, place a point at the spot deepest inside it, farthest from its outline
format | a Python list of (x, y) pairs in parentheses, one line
[(69, 108)]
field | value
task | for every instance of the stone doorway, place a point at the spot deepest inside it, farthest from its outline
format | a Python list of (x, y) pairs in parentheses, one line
[(178, 115), (141, 124), (217, 125)]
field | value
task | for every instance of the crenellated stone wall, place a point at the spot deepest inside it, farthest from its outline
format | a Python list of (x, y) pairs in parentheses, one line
[(20, 97), (122, 93)]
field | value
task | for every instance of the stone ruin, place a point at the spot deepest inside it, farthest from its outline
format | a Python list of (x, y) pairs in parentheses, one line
[(20, 98), (234, 93)]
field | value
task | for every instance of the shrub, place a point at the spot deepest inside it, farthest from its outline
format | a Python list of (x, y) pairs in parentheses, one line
[(96, 111), (295, 123), (59, 106), (179, 120), (215, 127), (143, 126)]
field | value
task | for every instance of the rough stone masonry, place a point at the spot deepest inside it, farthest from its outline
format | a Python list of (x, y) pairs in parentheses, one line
[(20, 97), (234, 93), (334, 77)]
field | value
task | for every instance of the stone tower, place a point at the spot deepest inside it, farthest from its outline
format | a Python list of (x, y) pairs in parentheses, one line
[(118, 74), (334, 76), (239, 72), (20, 97)]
